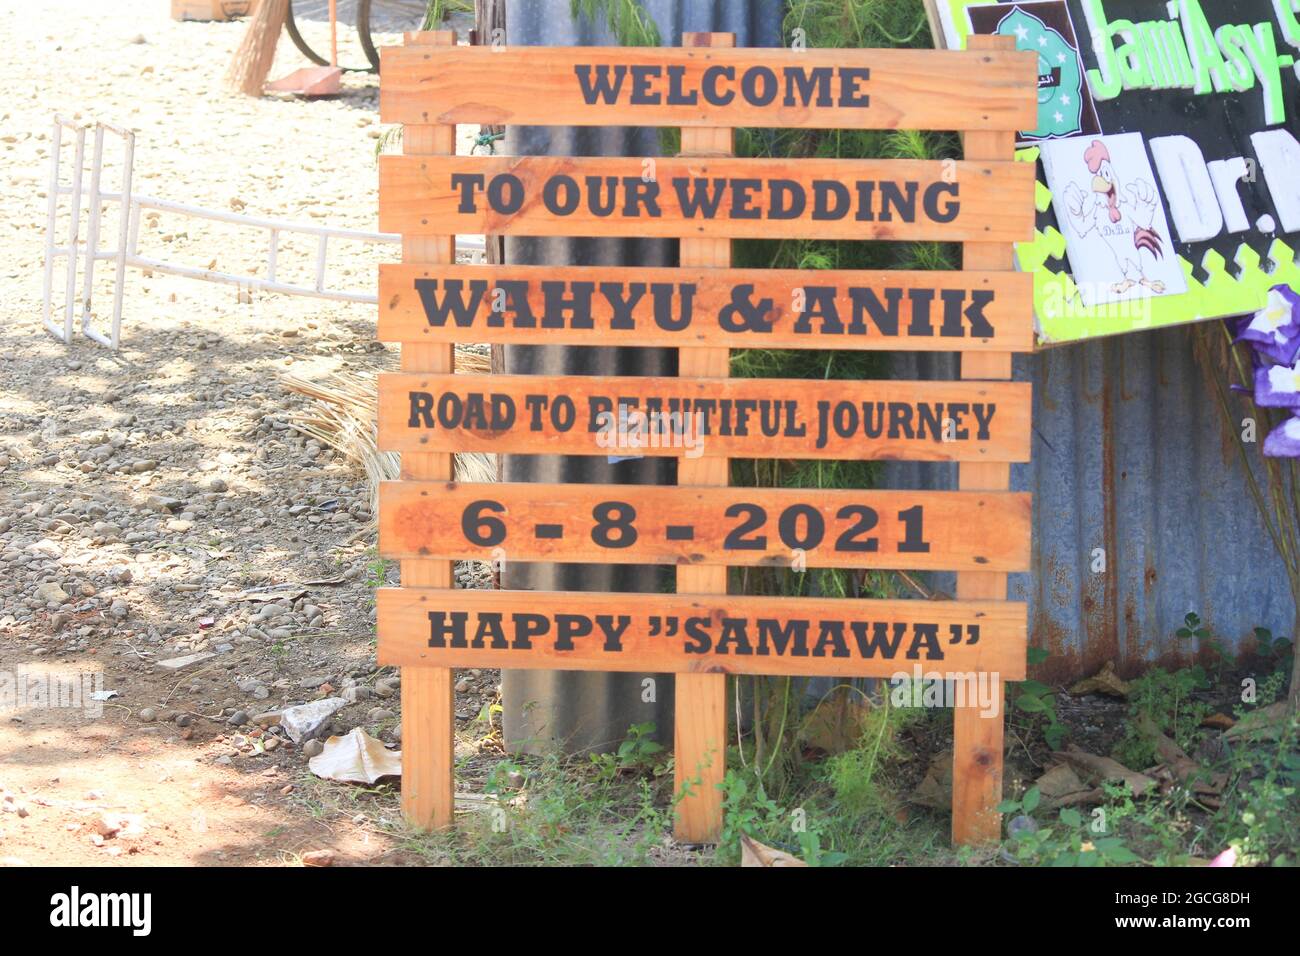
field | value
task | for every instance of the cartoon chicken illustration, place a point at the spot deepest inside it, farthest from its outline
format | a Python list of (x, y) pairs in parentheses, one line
[(1122, 216)]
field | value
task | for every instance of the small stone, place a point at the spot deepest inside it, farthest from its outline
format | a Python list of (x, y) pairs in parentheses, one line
[(119, 610), (1021, 824), (51, 593), (218, 485), (318, 858), (270, 743), (462, 685), (312, 748), (147, 714), (184, 720), (176, 663), (238, 718), (146, 464), (379, 714)]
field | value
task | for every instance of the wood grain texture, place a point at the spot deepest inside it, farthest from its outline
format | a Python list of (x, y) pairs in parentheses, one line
[(978, 739), (698, 525), (656, 307), (985, 201), (428, 705), (907, 89), (699, 634), (700, 700), (456, 413)]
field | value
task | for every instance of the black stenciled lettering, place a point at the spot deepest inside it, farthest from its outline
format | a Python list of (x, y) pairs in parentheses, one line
[(742, 198), (948, 211), (808, 87), (599, 87), (662, 293), (623, 303), (642, 94), (851, 78), (576, 305), (898, 198), (867, 304), (560, 195), (468, 184), (505, 193), (980, 327), (709, 85), (984, 417), (447, 633), (695, 199), (453, 302), (421, 410)]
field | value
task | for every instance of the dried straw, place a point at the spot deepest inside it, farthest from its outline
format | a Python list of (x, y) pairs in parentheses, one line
[(344, 416), (252, 63)]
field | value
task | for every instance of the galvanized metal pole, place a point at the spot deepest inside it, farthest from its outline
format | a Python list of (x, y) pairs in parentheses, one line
[(593, 711)]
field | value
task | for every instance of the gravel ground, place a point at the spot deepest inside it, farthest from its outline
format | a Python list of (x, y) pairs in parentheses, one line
[(154, 502)]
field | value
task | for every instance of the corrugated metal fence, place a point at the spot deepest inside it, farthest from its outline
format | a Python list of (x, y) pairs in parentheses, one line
[(1130, 457)]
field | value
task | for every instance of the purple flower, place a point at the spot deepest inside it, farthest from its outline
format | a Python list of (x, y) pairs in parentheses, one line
[(1284, 441), (1278, 386), (1274, 330)]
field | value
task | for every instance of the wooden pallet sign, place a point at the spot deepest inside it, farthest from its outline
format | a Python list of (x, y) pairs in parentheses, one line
[(705, 197)]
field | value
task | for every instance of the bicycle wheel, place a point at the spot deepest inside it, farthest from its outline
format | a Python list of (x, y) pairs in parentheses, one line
[(387, 20), (308, 24)]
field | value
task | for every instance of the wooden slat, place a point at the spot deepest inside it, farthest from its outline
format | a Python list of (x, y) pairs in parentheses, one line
[(700, 700), (428, 728), (493, 413), (736, 308), (694, 525), (953, 202), (978, 738), (703, 635), (905, 89)]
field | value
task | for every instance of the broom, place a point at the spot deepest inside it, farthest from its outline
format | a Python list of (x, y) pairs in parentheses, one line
[(252, 62)]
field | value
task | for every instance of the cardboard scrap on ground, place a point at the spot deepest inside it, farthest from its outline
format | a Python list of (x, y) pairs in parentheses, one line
[(1181, 768), (753, 853), (1098, 769), (935, 790), (356, 758), (1265, 723), (835, 724), (1105, 681), (1061, 787)]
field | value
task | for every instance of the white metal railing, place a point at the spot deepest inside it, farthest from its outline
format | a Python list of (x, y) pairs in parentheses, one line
[(127, 252)]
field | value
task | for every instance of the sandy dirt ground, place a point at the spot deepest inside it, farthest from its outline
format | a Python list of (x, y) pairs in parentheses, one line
[(153, 499)]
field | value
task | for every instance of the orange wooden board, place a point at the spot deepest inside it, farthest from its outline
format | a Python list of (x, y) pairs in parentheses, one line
[(597, 86), (693, 418), (738, 308), (655, 524), (716, 196), (685, 633)]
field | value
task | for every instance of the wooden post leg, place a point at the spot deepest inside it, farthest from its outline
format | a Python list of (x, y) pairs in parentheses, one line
[(977, 740), (977, 773), (428, 716), (427, 747), (700, 719)]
